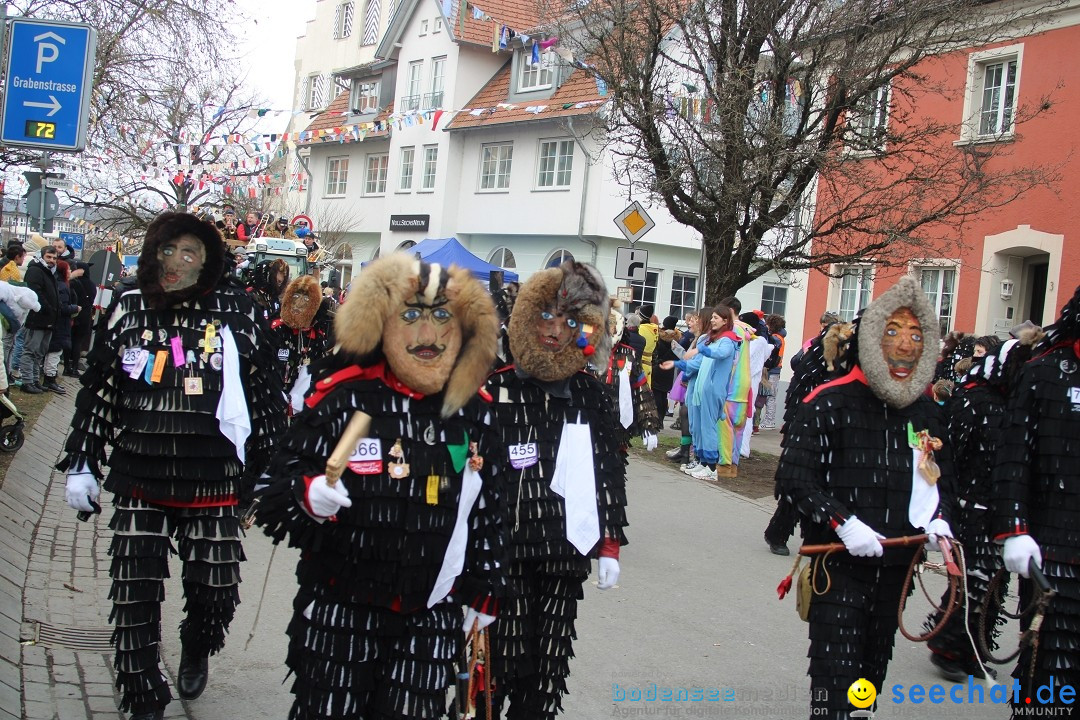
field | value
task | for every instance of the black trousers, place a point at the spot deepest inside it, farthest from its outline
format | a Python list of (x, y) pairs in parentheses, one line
[(533, 636), (208, 542), (852, 631)]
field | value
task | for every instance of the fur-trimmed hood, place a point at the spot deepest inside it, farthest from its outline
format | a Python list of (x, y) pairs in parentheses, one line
[(386, 282), (169, 226), (669, 335), (907, 293), (298, 315), (573, 289)]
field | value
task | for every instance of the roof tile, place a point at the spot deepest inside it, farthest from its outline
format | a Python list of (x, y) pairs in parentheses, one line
[(576, 89)]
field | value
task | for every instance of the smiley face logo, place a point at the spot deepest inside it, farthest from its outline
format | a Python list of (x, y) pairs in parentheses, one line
[(862, 693)]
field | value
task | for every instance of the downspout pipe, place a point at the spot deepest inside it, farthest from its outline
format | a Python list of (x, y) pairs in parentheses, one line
[(584, 193)]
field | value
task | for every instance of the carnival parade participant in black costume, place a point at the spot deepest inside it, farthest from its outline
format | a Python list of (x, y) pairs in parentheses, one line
[(414, 527), (857, 463), (182, 385), (268, 282), (974, 415), (1037, 504), (566, 486), (634, 403), (304, 332)]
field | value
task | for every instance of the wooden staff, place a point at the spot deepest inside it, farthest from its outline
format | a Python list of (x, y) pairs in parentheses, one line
[(887, 542), (356, 430)]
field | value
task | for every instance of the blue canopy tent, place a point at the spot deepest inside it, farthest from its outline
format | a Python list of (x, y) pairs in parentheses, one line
[(448, 250)]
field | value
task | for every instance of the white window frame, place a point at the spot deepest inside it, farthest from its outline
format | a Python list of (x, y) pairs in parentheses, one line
[(407, 160), (937, 272), (343, 20), (554, 171), (337, 176), (646, 291), (774, 287), (861, 293), (978, 63), (314, 89), (558, 257), (436, 26), (410, 100), (423, 28), (533, 78), (434, 99), (429, 169), (869, 122), (678, 286), (364, 96), (500, 255), (375, 166), (496, 164)]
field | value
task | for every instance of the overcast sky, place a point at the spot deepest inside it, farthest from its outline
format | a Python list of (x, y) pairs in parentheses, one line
[(269, 48)]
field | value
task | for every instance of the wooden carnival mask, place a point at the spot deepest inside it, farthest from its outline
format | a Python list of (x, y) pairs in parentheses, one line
[(421, 341), (902, 344), (181, 260)]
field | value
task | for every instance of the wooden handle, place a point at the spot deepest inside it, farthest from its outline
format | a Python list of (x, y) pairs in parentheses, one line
[(357, 429), (887, 542)]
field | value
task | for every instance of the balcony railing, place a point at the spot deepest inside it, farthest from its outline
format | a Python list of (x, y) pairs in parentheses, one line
[(433, 100), (410, 102)]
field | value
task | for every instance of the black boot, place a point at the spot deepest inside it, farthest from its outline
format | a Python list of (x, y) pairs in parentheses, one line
[(682, 457), (193, 673), (51, 384)]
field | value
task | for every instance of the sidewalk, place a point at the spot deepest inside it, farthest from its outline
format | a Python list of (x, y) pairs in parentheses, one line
[(55, 648)]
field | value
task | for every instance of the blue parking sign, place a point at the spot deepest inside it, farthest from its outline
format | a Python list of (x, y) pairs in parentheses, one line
[(49, 73), (73, 240)]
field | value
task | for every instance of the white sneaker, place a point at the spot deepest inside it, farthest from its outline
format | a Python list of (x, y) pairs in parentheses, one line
[(688, 467), (704, 473)]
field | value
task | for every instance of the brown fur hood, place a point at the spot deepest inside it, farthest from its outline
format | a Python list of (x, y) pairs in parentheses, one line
[(669, 335), (386, 282), (296, 314), (574, 289), (168, 226)]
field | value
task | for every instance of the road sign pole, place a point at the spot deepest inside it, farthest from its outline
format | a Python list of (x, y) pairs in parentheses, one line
[(43, 163)]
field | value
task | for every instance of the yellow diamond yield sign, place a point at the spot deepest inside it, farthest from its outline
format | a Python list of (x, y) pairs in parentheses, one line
[(634, 222)]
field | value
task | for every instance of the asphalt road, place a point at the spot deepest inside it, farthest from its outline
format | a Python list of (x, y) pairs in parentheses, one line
[(695, 607)]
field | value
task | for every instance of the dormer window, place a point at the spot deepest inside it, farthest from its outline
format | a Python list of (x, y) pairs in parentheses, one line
[(536, 76), (364, 96)]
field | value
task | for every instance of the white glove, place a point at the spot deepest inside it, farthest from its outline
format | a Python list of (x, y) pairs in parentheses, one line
[(649, 438), (937, 529), (473, 616), (1019, 551), (607, 573), (860, 539), (324, 500), (82, 489)]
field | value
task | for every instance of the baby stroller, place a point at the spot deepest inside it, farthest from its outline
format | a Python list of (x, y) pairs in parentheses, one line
[(11, 436)]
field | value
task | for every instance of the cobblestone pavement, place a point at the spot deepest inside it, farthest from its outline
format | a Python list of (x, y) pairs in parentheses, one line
[(61, 641)]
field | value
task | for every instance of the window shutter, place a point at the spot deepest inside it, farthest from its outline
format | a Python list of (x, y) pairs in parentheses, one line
[(305, 93), (337, 20), (371, 22), (322, 89)]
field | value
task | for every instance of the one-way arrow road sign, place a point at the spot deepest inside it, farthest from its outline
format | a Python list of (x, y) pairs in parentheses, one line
[(49, 72)]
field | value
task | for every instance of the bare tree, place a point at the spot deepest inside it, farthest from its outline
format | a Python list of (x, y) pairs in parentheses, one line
[(762, 123), (137, 39), (166, 149)]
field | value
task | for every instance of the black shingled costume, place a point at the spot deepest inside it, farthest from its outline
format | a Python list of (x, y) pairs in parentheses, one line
[(172, 472), (974, 416), (533, 635), (371, 647), (1037, 491), (642, 400), (845, 453)]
